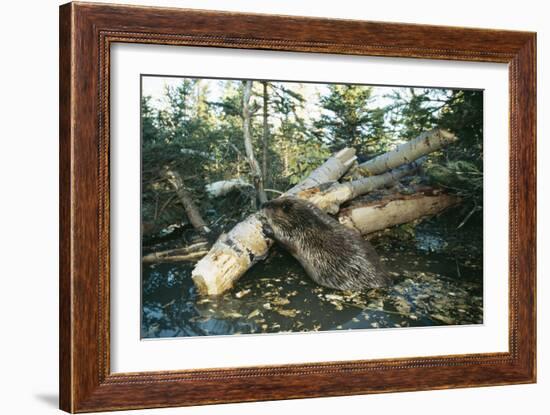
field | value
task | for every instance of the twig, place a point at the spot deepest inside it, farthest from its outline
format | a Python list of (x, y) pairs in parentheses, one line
[(274, 191), (476, 207)]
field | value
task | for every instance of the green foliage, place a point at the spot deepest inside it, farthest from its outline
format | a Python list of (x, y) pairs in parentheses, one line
[(414, 110), (460, 175), (196, 127), (347, 118)]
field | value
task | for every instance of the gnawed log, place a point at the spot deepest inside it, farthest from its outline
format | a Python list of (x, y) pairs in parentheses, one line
[(425, 143), (231, 256), (244, 245), (191, 209), (189, 253), (330, 200), (395, 209)]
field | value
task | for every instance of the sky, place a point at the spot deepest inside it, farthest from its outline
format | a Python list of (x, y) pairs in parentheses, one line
[(154, 86)]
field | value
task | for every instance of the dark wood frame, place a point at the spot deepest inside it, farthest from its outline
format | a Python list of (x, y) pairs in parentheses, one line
[(86, 33)]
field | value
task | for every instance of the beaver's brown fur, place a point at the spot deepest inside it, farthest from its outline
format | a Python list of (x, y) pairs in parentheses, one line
[(332, 255)]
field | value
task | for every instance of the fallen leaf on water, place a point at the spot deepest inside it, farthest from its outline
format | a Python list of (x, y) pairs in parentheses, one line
[(253, 314), (287, 313), (232, 315), (280, 301), (242, 293)]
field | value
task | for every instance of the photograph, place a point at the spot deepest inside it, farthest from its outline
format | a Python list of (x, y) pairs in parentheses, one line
[(272, 206)]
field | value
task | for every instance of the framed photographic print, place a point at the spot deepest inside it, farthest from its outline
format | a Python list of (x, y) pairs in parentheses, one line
[(260, 207)]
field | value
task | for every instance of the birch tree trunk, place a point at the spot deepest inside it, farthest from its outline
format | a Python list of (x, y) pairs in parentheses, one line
[(395, 210), (265, 134), (254, 166), (425, 143), (330, 171), (330, 200), (244, 245)]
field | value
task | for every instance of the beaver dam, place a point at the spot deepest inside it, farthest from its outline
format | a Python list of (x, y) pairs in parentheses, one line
[(259, 195)]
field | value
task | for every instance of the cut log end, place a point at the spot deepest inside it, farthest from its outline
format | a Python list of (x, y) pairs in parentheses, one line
[(200, 283), (230, 257)]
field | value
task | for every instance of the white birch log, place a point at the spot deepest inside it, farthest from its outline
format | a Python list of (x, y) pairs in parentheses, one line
[(425, 143), (244, 245), (395, 210), (330, 171), (223, 187), (230, 257), (330, 200)]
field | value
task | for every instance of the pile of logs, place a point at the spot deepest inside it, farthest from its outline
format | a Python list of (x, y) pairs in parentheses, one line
[(239, 249)]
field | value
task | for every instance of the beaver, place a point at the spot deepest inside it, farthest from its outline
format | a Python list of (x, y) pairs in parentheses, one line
[(332, 255)]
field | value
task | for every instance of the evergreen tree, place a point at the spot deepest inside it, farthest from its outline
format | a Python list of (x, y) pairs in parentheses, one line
[(348, 120)]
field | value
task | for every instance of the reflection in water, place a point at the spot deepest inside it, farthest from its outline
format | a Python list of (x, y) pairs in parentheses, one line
[(430, 288)]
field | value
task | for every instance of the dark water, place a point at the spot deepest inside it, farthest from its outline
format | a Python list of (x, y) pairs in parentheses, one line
[(437, 281)]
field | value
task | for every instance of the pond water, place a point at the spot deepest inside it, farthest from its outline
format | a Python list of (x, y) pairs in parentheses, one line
[(438, 280)]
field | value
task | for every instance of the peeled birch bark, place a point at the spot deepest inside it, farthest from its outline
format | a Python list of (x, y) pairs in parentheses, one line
[(395, 210), (244, 245), (330, 200), (425, 143)]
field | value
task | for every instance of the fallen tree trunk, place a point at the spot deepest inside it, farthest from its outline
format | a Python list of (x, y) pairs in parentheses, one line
[(330, 200), (235, 252), (395, 209), (189, 253), (425, 143), (191, 209)]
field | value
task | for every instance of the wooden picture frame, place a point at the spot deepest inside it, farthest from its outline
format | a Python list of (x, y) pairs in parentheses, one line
[(86, 33)]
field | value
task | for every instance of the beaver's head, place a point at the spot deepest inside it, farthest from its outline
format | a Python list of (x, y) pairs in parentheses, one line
[(287, 215)]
